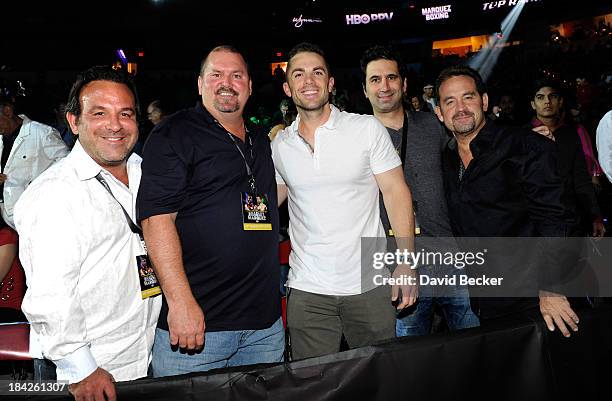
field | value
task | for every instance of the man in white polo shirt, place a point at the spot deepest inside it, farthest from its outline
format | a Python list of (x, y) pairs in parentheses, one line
[(331, 166)]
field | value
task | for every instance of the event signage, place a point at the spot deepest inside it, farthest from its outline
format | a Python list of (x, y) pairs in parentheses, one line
[(300, 21), (494, 5), (435, 13), (356, 19)]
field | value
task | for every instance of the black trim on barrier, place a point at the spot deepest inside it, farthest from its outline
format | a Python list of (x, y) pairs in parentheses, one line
[(510, 359)]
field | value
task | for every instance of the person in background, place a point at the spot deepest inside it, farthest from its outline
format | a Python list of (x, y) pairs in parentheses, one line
[(579, 196), (155, 112), (27, 149), (418, 104), (288, 117), (12, 278), (428, 96)]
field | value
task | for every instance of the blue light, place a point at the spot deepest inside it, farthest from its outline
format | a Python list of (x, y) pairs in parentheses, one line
[(122, 55)]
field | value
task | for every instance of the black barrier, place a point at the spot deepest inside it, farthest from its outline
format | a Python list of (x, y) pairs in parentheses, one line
[(514, 360)]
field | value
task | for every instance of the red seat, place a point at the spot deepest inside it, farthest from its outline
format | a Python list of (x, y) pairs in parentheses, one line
[(284, 311), (14, 342), (284, 249)]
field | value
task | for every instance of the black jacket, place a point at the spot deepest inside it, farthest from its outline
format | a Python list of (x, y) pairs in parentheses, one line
[(579, 195), (510, 189)]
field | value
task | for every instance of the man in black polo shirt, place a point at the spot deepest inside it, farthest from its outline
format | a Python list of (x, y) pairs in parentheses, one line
[(215, 254)]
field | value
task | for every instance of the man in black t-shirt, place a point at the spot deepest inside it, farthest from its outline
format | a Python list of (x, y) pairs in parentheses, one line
[(216, 260)]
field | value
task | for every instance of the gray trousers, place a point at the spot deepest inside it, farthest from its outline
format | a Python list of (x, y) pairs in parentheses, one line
[(316, 322)]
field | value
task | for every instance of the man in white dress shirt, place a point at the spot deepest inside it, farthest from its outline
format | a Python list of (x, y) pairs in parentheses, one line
[(91, 304), (604, 144)]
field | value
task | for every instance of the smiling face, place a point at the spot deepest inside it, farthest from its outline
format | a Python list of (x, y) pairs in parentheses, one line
[(383, 86), (224, 83), (107, 126), (462, 109), (308, 81)]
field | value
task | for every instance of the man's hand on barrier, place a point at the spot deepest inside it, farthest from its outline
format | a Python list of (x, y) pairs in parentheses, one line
[(186, 325), (98, 386), (410, 291), (556, 310)]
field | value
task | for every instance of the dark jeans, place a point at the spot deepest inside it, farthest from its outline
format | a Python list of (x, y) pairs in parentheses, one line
[(454, 301), (44, 369)]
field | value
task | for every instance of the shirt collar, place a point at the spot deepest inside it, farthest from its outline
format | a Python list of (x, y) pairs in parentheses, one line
[(535, 122), (481, 142), (331, 122), (87, 168), (210, 120), (205, 114)]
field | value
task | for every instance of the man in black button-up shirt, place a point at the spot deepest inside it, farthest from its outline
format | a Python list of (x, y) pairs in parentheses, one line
[(501, 182)]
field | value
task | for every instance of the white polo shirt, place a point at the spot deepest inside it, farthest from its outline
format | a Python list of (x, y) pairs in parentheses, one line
[(333, 199)]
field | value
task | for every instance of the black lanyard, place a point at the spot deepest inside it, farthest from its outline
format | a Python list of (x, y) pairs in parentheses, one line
[(249, 169), (404, 138), (135, 229)]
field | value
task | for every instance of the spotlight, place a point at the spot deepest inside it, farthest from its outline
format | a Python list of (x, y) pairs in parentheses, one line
[(485, 60)]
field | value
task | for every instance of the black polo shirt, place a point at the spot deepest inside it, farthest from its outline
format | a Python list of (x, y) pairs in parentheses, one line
[(192, 167)]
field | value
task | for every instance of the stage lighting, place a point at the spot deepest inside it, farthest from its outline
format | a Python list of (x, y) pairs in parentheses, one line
[(486, 59)]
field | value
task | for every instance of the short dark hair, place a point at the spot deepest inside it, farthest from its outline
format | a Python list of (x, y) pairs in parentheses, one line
[(457, 71), (303, 48), (381, 52), (545, 82), (224, 48), (98, 73), (6, 101)]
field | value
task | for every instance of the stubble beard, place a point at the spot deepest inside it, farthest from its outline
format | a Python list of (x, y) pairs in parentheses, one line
[(464, 129)]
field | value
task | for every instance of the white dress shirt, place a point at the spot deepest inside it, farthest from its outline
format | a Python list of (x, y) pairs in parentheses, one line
[(334, 201), (604, 144), (83, 299), (36, 147)]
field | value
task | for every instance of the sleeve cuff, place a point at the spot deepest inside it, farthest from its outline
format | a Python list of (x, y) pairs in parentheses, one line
[(76, 366), (383, 168)]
